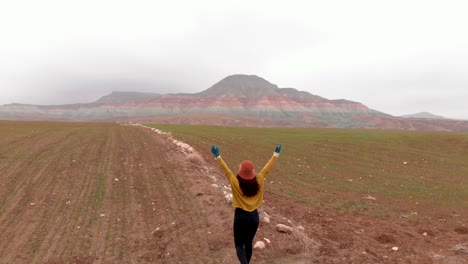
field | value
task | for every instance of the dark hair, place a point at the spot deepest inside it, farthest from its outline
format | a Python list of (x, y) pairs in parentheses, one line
[(249, 187)]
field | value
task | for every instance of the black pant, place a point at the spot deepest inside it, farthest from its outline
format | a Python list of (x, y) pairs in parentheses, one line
[(245, 227)]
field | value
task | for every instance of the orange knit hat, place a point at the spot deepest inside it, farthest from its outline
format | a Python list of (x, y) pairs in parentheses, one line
[(246, 170)]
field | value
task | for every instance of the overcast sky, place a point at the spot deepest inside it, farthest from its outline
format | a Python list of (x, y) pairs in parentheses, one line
[(397, 57)]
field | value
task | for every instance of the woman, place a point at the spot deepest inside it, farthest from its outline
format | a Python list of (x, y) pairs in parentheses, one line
[(247, 195)]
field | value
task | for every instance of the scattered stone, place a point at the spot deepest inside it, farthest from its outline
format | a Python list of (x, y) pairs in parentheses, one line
[(115, 179), (78, 227), (266, 219), (301, 228), (158, 232), (267, 240), (404, 162), (424, 234), (462, 248), (368, 197), (395, 248), (102, 215), (228, 198), (284, 228), (359, 231), (32, 203), (259, 245), (215, 185)]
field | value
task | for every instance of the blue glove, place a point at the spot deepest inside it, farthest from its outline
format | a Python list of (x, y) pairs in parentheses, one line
[(278, 149), (215, 150)]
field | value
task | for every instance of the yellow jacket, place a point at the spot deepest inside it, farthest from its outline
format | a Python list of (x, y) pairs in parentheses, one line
[(238, 199)]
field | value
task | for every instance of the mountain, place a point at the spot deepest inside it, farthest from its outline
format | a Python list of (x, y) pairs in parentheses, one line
[(237, 100), (242, 86), (124, 97), (426, 115)]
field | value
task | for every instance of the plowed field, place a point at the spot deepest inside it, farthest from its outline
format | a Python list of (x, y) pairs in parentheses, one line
[(96, 193), (107, 193)]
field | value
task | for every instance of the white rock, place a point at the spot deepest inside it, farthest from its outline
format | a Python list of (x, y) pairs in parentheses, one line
[(284, 228), (259, 245), (425, 234), (266, 219), (185, 145), (158, 232), (115, 179), (301, 228), (228, 198), (404, 162), (395, 248), (267, 240), (215, 185)]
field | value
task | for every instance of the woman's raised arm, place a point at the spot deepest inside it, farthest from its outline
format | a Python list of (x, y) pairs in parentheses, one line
[(264, 172)]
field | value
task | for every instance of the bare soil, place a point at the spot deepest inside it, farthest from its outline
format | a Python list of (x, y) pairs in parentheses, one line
[(106, 193)]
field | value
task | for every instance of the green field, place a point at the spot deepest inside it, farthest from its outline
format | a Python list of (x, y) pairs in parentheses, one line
[(419, 175)]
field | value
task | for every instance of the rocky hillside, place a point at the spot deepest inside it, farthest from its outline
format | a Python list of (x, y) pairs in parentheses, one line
[(235, 100)]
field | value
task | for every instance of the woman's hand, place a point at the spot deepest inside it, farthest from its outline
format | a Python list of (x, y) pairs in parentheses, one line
[(215, 150), (277, 150)]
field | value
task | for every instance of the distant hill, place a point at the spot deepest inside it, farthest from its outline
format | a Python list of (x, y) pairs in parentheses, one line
[(237, 100), (426, 115), (240, 85), (124, 97), (250, 86)]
